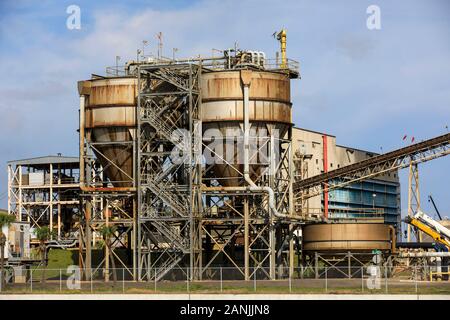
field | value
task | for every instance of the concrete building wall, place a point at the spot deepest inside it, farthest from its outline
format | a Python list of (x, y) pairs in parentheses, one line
[(382, 192)]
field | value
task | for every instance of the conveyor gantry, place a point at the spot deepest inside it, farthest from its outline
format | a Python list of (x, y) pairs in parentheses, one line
[(377, 165)]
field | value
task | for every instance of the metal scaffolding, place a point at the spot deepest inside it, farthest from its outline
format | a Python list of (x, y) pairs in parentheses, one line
[(237, 225), (103, 204), (187, 219), (44, 192), (168, 163)]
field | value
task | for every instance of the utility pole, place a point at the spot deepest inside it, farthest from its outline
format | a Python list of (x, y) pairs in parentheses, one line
[(117, 65), (159, 35), (138, 52), (173, 53), (430, 198), (144, 44)]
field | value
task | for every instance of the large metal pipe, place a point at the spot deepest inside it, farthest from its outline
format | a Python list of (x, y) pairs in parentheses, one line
[(55, 244), (82, 133), (393, 239), (325, 169), (246, 81), (423, 254)]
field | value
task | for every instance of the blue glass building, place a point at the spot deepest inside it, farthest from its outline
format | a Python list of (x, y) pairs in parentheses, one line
[(369, 196)]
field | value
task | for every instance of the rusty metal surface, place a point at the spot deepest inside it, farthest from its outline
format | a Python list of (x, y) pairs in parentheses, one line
[(227, 85), (227, 175), (222, 110), (111, 102), (231, 110), (110, 117), (113, 91), (106, 189), (119, 154), (342, 237), (222, 97), (111, 106)]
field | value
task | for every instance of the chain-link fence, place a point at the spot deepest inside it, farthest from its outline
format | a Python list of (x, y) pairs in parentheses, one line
[(334, 279)]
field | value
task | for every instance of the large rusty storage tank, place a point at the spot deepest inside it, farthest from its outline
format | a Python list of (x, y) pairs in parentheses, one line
[(110, 117), (222, 111), (110, 105), (344, 237)]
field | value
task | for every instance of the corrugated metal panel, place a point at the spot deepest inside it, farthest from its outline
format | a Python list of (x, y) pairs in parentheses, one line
[(44, 160)]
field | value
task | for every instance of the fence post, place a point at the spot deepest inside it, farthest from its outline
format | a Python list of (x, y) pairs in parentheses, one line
[(254, 281), (385, 278), (221, 280), (123, 280), (290, 282), (60, 280), (187, 279), (362, 279), (156, 272), (92, 288), (415, 277), (31, 279), (326, 279)]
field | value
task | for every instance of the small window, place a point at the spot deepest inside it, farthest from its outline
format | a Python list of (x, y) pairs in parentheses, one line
[(331, 165), (317, 161)]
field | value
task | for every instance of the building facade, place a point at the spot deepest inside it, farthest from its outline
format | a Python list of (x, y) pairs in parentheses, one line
[(44, 191), (316, 153)]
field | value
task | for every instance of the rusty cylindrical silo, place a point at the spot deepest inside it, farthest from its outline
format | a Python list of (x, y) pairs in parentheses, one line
[(110, 105), (222, 111)]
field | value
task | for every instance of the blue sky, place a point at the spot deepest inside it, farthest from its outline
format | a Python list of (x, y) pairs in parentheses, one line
[(367, 87)]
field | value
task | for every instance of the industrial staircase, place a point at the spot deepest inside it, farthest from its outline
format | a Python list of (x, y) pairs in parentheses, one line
[(169, 197), (174, 238), (165, 181), (162, 128), (165, 267)]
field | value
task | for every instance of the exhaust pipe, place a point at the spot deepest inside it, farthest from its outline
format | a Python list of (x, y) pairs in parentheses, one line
[(246, 76)]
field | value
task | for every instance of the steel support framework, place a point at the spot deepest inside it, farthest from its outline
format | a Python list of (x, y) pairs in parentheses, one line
[(174, 215), (52, 202), (102, 204), (237, 226), (342, 264), (413, 200), (168, 163)]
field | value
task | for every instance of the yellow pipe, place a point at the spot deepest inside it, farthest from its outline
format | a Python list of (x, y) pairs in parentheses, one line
[(282, 37)]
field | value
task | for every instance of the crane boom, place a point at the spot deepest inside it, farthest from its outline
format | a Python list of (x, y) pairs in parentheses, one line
[(430, 227), (434, 205)]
